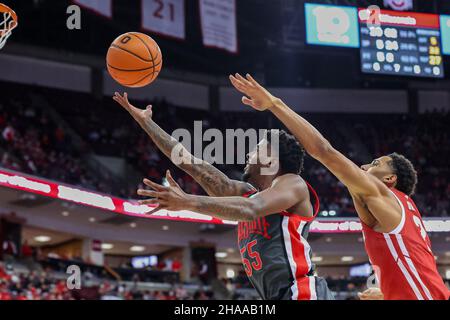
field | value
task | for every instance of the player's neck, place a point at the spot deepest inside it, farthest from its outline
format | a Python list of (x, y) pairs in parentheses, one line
[(264, 182)]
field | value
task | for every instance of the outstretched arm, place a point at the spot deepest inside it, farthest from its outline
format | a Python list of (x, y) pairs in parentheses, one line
[(285, 192), (362, 185), (212, 180), (358, 181)]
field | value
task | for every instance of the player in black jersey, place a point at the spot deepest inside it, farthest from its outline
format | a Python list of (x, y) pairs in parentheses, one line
[(273, 209)]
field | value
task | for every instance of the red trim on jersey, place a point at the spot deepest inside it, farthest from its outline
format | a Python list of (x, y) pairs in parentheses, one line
[(249, 193), (304, 289), (298, 249), (316, 206), (301, 264)]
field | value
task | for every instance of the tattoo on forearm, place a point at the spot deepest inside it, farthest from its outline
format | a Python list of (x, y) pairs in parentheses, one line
[(215, 182), (224, 208), (161, 138)]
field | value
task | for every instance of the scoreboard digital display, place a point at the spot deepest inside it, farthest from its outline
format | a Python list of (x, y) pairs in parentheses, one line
[(331, 25), (445, 34), (400, 43)]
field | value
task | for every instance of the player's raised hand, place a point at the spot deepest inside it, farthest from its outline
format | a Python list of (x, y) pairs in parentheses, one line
[(138, 114), (256, 96), (170, 198)]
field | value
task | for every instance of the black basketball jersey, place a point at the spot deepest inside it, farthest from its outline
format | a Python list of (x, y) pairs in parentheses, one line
[(276, 255)]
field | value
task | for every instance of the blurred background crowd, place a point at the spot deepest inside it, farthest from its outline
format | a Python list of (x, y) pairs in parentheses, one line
[(57, 145)]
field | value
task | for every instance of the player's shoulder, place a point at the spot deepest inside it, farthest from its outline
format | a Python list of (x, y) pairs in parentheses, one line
[(294, 181)]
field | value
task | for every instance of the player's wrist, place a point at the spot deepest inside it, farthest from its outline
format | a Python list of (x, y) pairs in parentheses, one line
[(191, 201), (275, 104)]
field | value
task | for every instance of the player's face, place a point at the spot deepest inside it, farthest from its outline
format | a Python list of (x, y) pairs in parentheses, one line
[(260, 157), (380, 168)]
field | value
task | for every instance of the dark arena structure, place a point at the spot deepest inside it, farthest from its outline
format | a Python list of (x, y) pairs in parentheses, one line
[(372, 78)]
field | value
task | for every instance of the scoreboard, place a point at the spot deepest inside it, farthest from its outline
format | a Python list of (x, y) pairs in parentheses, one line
[(400, 43)]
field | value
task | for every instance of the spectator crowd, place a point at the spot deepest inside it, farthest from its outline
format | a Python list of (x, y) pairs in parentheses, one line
[(31, 141), (49, 284)]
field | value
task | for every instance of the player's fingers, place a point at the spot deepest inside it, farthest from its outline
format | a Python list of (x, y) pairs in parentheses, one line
[(153, 185), (155, 210), (248, 102), (253, 81), (233, 80), (237, 84), (148, 201), (125, 96), (247, 82), (241, 88), (122, 104), (116, 96), (148, 112), (120, 100), (147, 193), (243, 80), (171, 180)]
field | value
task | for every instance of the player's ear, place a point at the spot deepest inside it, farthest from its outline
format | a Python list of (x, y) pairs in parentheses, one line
[(390, 179), (274, 163)]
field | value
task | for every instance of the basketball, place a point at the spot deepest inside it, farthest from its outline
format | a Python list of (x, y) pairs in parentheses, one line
[(134, 60)]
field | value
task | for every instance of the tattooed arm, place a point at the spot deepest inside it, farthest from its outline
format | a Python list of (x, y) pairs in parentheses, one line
[(285, 192), (212, 180)]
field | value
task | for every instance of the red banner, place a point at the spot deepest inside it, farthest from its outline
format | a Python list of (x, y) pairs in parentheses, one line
[(395, 18), (56, 190), (95, 199)]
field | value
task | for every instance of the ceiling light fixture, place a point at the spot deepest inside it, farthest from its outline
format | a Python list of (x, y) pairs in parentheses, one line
[(42, 239), (347, 258), (221, 255), (137, 248), (107, 246)]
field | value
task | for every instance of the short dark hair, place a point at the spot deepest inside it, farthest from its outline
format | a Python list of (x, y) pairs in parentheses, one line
[(291, 152), (405, 172)]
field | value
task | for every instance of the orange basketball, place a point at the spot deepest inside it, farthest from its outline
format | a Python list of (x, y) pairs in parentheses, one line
[(134, 60)]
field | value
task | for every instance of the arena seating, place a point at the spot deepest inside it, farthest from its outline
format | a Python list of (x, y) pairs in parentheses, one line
[(18, 283), (33, 143)]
